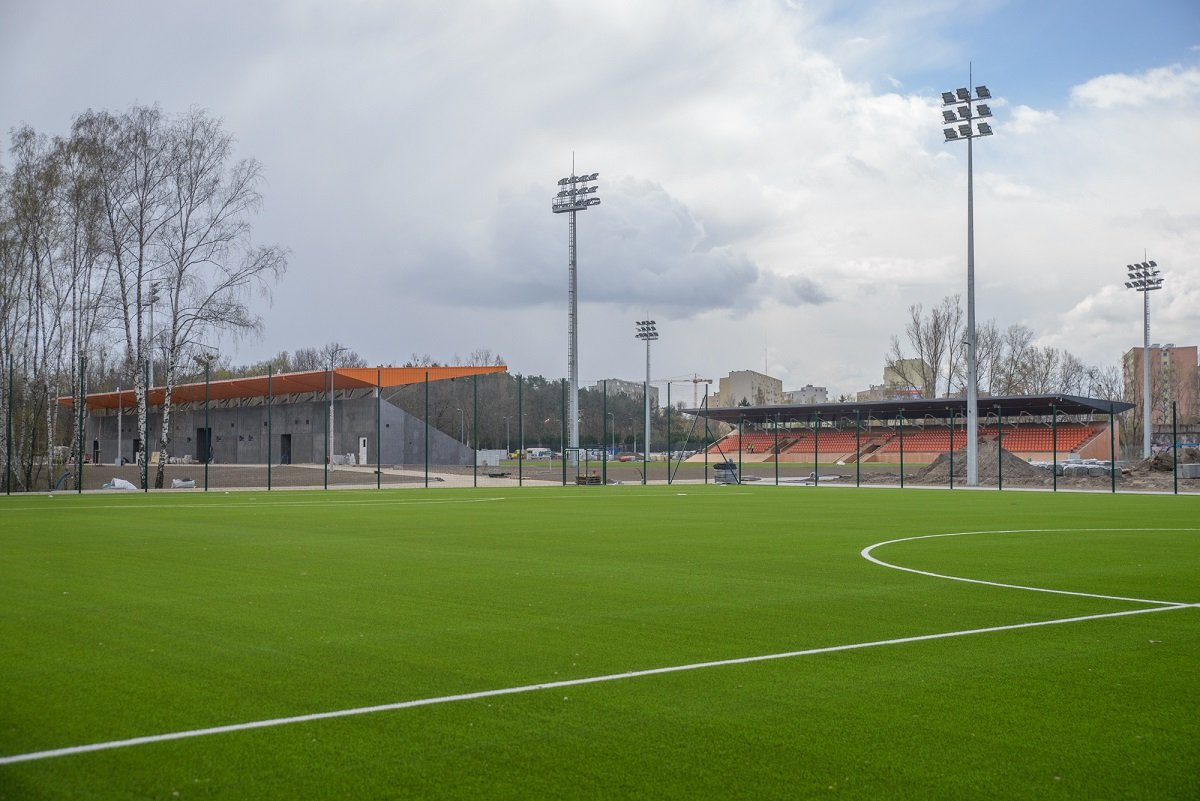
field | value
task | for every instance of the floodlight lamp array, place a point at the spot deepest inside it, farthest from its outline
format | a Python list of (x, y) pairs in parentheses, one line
[(646, 330), (969, 112), (578, 179), (1144, 277), (574, 194)]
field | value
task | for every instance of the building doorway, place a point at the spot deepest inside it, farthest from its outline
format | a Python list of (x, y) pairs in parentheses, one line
[(203, 445), (285, 448)]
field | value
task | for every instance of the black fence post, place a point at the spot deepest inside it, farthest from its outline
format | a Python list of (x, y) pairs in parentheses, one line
[(999, 448), (951, 410)]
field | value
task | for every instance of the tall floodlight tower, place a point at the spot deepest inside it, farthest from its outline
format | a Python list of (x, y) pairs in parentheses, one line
[(647, 331), (965, 125), (575, 193), (1145, 278)]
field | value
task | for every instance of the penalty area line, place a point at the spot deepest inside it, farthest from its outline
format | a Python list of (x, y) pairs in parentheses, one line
[(553, 685)]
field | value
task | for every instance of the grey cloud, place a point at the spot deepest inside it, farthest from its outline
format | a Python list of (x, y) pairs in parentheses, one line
[(797, 290), (640, 246)]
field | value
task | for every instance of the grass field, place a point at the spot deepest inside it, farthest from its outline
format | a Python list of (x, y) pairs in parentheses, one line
[(123, 617)]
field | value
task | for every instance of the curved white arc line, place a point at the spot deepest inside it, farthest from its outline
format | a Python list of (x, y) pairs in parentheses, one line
[(553, 685), (865, 553)]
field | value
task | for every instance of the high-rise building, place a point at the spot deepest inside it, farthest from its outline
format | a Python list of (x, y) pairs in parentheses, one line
[(1174, 376)]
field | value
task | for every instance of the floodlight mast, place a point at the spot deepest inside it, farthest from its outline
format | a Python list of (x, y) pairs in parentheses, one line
[(970, 110), (1145, 278), (576, 193), (647, 331)]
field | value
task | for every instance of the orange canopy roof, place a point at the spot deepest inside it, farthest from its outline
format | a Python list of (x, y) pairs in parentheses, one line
[(286, 384)]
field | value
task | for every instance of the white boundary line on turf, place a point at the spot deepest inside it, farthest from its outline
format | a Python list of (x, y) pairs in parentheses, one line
[(251, 498), (553, 685), (252, 503), (866, 554)]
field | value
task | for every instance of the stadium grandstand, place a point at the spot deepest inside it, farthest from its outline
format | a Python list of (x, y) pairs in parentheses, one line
[(242, 420), (1034, 428)]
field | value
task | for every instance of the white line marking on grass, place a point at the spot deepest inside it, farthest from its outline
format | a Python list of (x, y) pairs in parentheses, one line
[(553, 685), (254, 504), (866, 554)]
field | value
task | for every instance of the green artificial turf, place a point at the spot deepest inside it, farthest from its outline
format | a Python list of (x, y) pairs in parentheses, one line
[(132, 615)]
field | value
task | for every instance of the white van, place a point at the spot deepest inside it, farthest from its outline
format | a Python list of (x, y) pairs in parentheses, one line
[(537, 453)]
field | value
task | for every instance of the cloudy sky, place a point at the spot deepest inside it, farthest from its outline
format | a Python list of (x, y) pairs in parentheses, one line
[(776, 190)]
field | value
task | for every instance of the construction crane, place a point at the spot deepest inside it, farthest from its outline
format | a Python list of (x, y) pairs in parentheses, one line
[(696, 382)]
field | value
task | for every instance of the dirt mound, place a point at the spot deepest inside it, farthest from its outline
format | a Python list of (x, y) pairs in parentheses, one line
[(1163, 462), (992, 460)]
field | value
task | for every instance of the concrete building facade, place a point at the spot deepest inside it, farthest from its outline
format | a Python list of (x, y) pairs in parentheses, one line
[(756, 389), (1174, 376), (807, 394), (238, 433)]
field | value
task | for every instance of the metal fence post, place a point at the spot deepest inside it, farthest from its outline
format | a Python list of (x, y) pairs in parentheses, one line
[(816, 449), (207, 431), (1054, 443), (426, 429), (741, 430), (82, 405), (379, 428), (520, 435), (777, 449), (475, 430), (951, 410), (270, 434), (146, 427), (669, 460), (604, 429), (646, 434), (707, 434), (8, 428), (326, 415), (999, 447), (1112, 445), (857, 447), (562, 429), (901, 449), (1175, 447)]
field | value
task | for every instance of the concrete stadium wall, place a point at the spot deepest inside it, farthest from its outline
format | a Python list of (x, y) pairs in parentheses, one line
[(239, 433)]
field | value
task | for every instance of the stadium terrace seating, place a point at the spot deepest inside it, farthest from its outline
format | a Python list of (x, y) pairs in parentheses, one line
[(793, 442), (1040, 438), (1028, 437), (925, 440), (1033, 438)]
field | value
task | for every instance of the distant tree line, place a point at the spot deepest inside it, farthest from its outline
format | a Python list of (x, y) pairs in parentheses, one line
[(126, 243), (933, 359)]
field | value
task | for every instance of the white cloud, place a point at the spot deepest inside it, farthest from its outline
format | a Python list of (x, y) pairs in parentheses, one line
[(1026, 120), (1150, 87)]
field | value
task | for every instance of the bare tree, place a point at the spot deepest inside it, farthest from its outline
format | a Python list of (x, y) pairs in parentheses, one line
[(1012, 363), (209, 266), (83, 260), (128, 153), (39, 340), (332, 354), (936, 342)]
